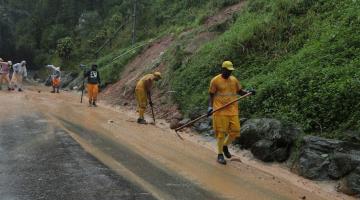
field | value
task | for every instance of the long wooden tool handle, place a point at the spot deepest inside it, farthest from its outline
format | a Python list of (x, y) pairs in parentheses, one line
[(214, 111), (82, 91), (153, 115)]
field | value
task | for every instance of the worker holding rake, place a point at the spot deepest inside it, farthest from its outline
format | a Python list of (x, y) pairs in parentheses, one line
[(143, 94), (223, 90)]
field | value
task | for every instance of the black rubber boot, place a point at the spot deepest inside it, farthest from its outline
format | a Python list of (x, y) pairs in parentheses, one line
[(141, 121), (94, 104), (221, 159), (226, 152)]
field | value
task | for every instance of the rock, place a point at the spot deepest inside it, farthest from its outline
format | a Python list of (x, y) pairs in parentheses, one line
[(283, 136), (196, 112), (174, 123), (243, 120), (210, 133), (351, 184), (313, 166), (67, 78), (323, 159), (203, 126), (77, 82), (271, 129), (342, 164), (352, 136), (178, 116), (184, 121), (281, 154), (263, 150)]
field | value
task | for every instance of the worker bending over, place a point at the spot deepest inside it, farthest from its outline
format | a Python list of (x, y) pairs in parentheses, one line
[(55, 78), (143, 94)]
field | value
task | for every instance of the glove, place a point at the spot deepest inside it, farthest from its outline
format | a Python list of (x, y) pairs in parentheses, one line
[(151, 103), (209, 113), (252, 91)]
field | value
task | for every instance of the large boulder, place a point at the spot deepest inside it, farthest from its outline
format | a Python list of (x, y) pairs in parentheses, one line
[(352, 136), (254, 130), (267, 151), (76, 83), (282, 136), (351, 184), (313, 165), (342, 164), (322, 159), (263, 150)]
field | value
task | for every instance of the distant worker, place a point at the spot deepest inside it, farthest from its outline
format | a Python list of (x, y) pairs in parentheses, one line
[(20, 72), (224, 88), (93, 84), (55, 78), (143, 94), (4, 73)]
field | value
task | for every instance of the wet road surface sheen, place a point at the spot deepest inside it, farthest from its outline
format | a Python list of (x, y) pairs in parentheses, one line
[(43, 162)]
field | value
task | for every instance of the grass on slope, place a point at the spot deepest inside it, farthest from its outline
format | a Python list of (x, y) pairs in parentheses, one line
[(302, 56)]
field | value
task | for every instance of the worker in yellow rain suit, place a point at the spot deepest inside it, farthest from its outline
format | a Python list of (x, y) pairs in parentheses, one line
[(224, 88), (143, 93)]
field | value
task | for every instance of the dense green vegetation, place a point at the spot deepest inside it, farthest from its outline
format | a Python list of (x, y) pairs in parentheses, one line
[(303, 57), (67, 32)]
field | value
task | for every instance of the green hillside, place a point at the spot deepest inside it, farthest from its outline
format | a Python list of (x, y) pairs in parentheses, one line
[(302, 57), (67, 32)]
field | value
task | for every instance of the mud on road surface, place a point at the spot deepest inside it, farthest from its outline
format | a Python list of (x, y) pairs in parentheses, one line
[(40, 161), (122, 160)]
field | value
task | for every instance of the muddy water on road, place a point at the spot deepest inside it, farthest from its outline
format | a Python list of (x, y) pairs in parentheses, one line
[(41, 161), (155, 159)]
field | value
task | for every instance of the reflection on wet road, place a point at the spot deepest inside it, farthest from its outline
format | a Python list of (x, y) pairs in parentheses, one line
[(43, 162)]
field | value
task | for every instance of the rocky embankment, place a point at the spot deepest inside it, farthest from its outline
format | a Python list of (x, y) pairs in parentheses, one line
[(312, 157)]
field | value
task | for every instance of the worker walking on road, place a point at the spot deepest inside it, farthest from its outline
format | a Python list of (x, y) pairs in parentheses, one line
[(224, 88), (4, 73), (20, 72), (55, 78), (143, 94), (93, 77)]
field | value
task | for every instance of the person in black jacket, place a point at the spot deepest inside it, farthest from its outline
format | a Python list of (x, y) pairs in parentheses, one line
[(93, 77)]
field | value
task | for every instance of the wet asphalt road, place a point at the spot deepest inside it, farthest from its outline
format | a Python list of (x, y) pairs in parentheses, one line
[(38, 161)]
